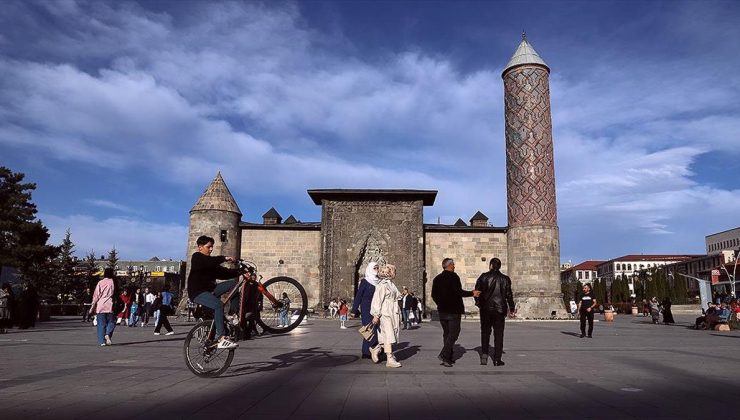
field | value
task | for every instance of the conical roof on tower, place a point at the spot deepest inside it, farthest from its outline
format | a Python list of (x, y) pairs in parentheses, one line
[(524, 54), (217, 197)]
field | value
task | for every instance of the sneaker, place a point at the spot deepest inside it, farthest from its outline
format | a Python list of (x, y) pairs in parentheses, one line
[(225, 343), (156, 333), (170, 333), (343, 327), (103, 345), (392, 362), (107, 340), (375, 353)]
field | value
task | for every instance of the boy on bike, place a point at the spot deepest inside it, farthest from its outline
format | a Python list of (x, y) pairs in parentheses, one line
[(202, 288)]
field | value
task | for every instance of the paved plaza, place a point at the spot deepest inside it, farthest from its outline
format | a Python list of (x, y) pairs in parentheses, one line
[(630, 369)]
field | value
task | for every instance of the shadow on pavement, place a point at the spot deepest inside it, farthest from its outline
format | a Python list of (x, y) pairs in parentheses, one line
[(727, 336), (158, 340), (458, 352), (574, 334), (312, 358), (406, 351)]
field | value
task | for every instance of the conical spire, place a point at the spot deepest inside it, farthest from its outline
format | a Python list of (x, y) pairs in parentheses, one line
[(524, 54), (217, 197)]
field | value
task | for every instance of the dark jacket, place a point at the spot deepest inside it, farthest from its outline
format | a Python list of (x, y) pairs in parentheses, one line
[(447, 293), (204, 271), (495, 292), (363, 300)]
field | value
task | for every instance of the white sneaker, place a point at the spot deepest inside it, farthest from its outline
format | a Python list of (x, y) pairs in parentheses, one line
[(170, 333), (343, 327), (107, 340), (225, 343), (392, 362), (375, 353), (156, 333)]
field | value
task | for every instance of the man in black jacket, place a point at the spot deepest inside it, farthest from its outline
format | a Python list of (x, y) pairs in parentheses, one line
[(447, 293), (496, 301), (202, 288)]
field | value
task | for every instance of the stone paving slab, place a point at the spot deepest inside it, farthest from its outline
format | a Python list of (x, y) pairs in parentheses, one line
[(630, 369)]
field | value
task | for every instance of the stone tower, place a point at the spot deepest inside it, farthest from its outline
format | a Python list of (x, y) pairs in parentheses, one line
[(217, 215), (533, 239)]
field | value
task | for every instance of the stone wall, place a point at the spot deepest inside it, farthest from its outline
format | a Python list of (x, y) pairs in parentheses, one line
[(211, 223), (298, 249), (471, 250), (357, 232), (534, 254)]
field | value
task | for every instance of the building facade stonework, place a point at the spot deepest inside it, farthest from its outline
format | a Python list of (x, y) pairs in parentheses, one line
[(360, 226)]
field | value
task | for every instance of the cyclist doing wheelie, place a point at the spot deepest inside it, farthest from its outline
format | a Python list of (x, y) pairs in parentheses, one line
[(202, 288)]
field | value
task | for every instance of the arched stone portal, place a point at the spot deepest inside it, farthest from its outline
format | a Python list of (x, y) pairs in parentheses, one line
[(359, 226)]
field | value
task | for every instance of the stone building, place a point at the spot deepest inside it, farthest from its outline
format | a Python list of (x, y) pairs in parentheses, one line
[(359, 226)]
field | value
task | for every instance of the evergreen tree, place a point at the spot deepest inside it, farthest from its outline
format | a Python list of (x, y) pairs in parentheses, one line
[(90, 268), (66, 263), (681, 289), (112, 258), (23, 238)]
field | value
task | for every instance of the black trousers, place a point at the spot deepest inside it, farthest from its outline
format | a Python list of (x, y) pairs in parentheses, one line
[(590, 317), (492, 320), (450, 333), (163, 311)]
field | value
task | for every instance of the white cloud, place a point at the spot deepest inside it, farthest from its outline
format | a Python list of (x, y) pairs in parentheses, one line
[(132, 239), (279, 107), (107, 204)]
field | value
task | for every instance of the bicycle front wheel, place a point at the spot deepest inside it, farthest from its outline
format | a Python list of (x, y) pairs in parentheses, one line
[(271, 317), (201, 355)]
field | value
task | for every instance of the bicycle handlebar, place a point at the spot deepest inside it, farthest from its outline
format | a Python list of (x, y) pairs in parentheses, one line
[(247, 266)]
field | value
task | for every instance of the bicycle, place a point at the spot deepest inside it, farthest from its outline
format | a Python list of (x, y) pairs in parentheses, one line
[(202, 355)]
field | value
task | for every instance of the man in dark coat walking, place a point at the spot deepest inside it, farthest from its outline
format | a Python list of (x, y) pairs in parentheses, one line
[(496, 301), (447, 293)]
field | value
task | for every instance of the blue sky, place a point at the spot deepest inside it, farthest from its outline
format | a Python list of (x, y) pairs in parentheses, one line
[(123, 112)]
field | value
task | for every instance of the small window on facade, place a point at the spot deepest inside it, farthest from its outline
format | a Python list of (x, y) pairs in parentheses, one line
[(629, 266), (580, 275), (619, 267), (587, 272), (159, 268)]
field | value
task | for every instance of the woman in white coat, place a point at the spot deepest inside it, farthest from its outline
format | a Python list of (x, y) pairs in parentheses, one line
[(387, 315)]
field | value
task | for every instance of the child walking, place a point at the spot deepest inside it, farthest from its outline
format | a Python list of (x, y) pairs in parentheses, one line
[(343, 311)]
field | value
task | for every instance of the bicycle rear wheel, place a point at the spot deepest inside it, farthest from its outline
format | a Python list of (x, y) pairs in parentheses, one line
[(201, 355), (269, 315)]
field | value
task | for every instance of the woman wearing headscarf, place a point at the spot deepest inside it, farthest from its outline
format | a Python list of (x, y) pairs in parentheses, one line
[(667, 314), (362, 302), (386, 313)]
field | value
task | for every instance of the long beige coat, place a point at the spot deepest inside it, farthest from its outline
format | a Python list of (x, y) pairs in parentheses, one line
[(385, 307)]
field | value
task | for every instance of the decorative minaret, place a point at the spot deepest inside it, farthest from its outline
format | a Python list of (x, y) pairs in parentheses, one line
[(533, 238), (217, 215)]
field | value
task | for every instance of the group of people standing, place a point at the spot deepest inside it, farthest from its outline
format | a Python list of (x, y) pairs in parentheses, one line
[(377, 303), (21, 310), (338, 308), (112, 307)]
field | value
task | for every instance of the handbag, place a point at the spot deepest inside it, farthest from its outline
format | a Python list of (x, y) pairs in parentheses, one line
[(367, 331)]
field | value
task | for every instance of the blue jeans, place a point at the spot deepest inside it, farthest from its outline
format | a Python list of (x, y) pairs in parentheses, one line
[(211, 300), (106, 325), (133, 319), (405, 316), (285, 317)]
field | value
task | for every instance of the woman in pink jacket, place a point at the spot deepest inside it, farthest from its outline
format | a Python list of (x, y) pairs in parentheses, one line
[(102, 305)]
